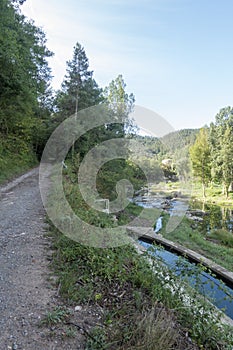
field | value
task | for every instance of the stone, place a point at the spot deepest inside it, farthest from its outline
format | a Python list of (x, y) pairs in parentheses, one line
[(78, 308)]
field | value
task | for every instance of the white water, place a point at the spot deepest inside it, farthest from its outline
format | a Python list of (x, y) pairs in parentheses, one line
[(158, 224)]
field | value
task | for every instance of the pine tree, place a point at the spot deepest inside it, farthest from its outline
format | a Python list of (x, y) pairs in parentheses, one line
[(79, 90)]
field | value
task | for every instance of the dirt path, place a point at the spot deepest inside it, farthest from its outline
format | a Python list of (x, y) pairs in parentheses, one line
[(25, 291)]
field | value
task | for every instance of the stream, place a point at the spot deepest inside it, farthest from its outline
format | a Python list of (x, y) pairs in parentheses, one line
[(215, 217), (219, 294)]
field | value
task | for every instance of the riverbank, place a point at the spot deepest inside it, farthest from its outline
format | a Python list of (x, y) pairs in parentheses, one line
[(200, 272), (188, 235), (193, 231), (214, 195), (136, 306)]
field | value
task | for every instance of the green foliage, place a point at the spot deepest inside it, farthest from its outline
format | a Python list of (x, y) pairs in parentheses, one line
[(194, 239), (79, 90), (97, 340), (221, 147), (200, 157), (177, 140), (226, 156), (58, 315), (24, 83), (24, 70), (114, 171), (121, 105), (134, 292), (16, 156), (222, 236)]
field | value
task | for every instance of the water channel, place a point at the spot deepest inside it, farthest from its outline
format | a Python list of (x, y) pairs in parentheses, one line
[(219, 294)]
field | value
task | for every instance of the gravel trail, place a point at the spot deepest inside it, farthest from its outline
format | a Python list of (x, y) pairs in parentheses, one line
[(25, 291)]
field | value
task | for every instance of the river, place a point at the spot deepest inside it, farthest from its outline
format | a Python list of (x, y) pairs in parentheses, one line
[(212, 217)]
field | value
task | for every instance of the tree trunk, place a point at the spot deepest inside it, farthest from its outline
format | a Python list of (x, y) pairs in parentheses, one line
[(230, 188), (203, 190), (227, 192), (225, 189)]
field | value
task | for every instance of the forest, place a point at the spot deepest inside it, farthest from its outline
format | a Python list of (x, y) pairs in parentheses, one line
[(30, 109)]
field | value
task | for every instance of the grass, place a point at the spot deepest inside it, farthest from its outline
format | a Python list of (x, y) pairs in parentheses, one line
[(217, 246), (140, 310), (58, 315), (136, 303), (222, 237), (149, 332), (214, 194)]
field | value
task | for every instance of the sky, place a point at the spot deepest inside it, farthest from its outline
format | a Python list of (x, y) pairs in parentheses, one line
[(176, 56)]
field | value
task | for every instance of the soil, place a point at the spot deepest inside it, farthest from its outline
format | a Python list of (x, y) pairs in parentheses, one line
[(27, 288)]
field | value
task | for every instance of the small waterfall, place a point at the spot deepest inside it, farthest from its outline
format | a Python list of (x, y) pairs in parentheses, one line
[(158, 224)]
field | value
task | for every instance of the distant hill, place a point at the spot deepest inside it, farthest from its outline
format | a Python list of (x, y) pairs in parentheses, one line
[(179, 139), (169, 144)]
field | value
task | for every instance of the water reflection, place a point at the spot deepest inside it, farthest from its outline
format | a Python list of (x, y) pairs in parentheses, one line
[(216, 217)]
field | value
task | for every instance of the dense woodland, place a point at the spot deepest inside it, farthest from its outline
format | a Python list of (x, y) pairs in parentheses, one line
[(29, 108)]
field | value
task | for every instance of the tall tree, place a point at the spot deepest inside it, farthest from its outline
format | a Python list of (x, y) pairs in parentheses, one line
[(226, 155), (121, 105), (200, 158), (220, 134), (79, 90)]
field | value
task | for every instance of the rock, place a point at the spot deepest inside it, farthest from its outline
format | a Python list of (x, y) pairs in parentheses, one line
[(78, 308), (197, 212), (195, 218)]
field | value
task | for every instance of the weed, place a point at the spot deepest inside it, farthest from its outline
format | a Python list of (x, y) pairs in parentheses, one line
[(97, 340), (58, 315), (70, 332)]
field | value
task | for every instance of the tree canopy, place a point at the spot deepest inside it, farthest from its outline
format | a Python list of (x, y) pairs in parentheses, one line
[(24, 75), (200, 158)]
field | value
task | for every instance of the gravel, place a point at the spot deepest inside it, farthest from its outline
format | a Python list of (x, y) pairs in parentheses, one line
[(26, 292)]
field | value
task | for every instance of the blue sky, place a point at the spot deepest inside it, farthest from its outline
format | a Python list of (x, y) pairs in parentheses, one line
[(176, 56)]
